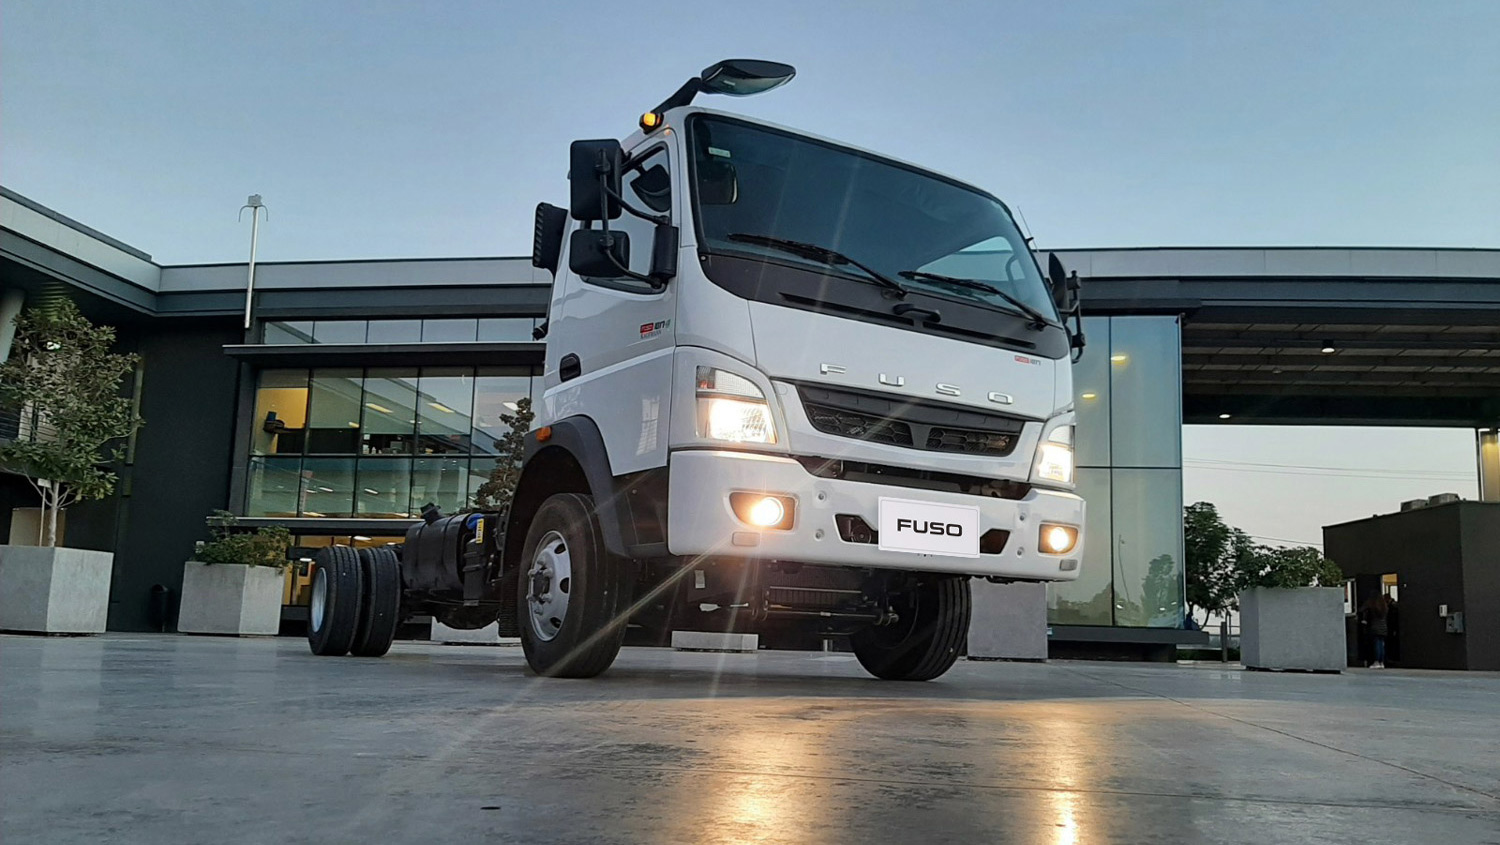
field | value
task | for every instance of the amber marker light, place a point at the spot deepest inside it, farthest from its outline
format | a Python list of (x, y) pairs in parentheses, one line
[(651, 121), (544, 434)]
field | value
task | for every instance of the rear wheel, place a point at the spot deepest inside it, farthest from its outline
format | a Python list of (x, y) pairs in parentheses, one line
[(333, 614), (380, 611), (572, 594), (926, 639)]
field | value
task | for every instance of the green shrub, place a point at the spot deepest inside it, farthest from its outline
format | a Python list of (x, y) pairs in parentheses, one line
[(262, 547)]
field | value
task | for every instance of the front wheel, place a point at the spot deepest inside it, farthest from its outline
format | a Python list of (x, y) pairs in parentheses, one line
[(573, 595), (924, 642)]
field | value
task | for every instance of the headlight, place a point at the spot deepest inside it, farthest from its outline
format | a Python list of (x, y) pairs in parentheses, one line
[(1054, 460), (732, 409)]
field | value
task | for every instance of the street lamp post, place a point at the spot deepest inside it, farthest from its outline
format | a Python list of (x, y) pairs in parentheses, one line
[(255, 206)]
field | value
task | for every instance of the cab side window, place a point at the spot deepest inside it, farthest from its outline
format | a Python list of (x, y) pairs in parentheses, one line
[(647, 186)]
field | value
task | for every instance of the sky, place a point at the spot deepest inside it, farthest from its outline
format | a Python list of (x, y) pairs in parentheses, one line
[(383, 129)]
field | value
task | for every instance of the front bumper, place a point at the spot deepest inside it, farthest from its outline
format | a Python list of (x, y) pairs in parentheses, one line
[(701, 522)]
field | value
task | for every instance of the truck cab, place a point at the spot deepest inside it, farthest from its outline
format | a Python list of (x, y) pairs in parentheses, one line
[(789, 382)]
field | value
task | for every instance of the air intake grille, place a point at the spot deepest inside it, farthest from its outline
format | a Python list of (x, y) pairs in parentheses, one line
[(883, 419), (846, 423)]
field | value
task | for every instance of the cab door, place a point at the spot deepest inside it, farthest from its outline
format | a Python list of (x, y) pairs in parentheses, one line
[(609, 344)]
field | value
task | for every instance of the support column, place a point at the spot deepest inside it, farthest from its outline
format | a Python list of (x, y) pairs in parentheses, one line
[(11, 300), (1489, 464)]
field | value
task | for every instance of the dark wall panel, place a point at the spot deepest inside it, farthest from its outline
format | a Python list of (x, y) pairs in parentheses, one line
[(181, 467), (1423, 548), (1481, 538)]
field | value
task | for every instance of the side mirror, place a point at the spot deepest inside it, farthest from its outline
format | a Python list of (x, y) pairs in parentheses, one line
[(547, 236), (593, 253), (664, 252), (718, 183), (594, 179), (1063, 288)]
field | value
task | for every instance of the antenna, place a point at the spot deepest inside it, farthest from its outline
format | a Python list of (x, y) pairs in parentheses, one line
[(1025, 227), (255, 206)]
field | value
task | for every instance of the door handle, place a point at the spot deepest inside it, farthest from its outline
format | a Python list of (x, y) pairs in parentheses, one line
[(569, 367)]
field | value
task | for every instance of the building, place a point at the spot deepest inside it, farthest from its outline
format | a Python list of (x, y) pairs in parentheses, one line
[(1440, 561), (364, 389)]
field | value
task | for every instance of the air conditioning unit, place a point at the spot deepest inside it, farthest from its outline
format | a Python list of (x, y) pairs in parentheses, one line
[(1442, 499), (1413, 504)]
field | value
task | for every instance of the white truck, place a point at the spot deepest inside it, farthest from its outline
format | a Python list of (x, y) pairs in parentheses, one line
[(790, 385)]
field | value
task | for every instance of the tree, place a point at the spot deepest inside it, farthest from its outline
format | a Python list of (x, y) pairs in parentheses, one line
[(65, 384), (1287, 567), (1212, 552), (496, 493)]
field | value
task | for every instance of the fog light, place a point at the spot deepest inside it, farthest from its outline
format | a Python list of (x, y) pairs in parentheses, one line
[(1058, 539), (767, 511), (763, 511)]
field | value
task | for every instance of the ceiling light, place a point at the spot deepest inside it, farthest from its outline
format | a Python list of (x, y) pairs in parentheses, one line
[(372, 492), (1119, 359), (1089, 396), (381, 408), (441, 407), (353, 424), (1328, 348), (361, 537), (1223, 416), (511, 405)]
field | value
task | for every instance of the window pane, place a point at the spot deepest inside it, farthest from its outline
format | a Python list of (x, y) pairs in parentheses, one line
[(390, 412), (289, 332), (445, 402), (440, 481), (1091, 395), (507, 329), (449, 331), (280, 424), (1148, 547), (274, 485), (493, 397), (1145, 356), (1087, 600), (328, 487), (333, 416), (339, 331), (385, 487), (395, 331)]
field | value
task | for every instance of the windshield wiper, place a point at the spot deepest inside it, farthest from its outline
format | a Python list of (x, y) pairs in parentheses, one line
[(822, 255), (1038, 319)]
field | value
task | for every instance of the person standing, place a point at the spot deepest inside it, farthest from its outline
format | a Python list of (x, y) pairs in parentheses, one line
[(1376, 619)]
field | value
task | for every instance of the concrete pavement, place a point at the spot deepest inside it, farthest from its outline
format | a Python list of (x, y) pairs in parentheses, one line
[(168, 739)]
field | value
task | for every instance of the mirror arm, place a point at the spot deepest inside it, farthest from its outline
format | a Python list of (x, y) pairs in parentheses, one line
[(683, 96), (649, 218)]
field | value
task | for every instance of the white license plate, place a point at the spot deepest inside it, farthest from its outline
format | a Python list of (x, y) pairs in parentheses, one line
[(928, 528)]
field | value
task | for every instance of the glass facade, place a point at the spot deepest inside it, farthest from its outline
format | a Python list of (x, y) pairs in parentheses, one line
[(439, 330), (1128, 393), (376, 442)]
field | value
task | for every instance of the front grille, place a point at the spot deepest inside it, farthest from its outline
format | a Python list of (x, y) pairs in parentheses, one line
[(853, 424), (918, 479), (969, 442), (881, 418)]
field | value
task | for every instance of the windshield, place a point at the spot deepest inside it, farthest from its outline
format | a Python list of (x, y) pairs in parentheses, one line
[(902, 223)]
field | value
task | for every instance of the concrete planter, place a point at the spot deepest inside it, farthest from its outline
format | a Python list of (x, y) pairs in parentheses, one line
[(230, 598), (1293, 629), (488, 635), (1009, 621), (54, 590)]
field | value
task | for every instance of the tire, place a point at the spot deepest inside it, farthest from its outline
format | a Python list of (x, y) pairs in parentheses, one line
[(926, 640), (337, 595), (380, 612), (572, 596)]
